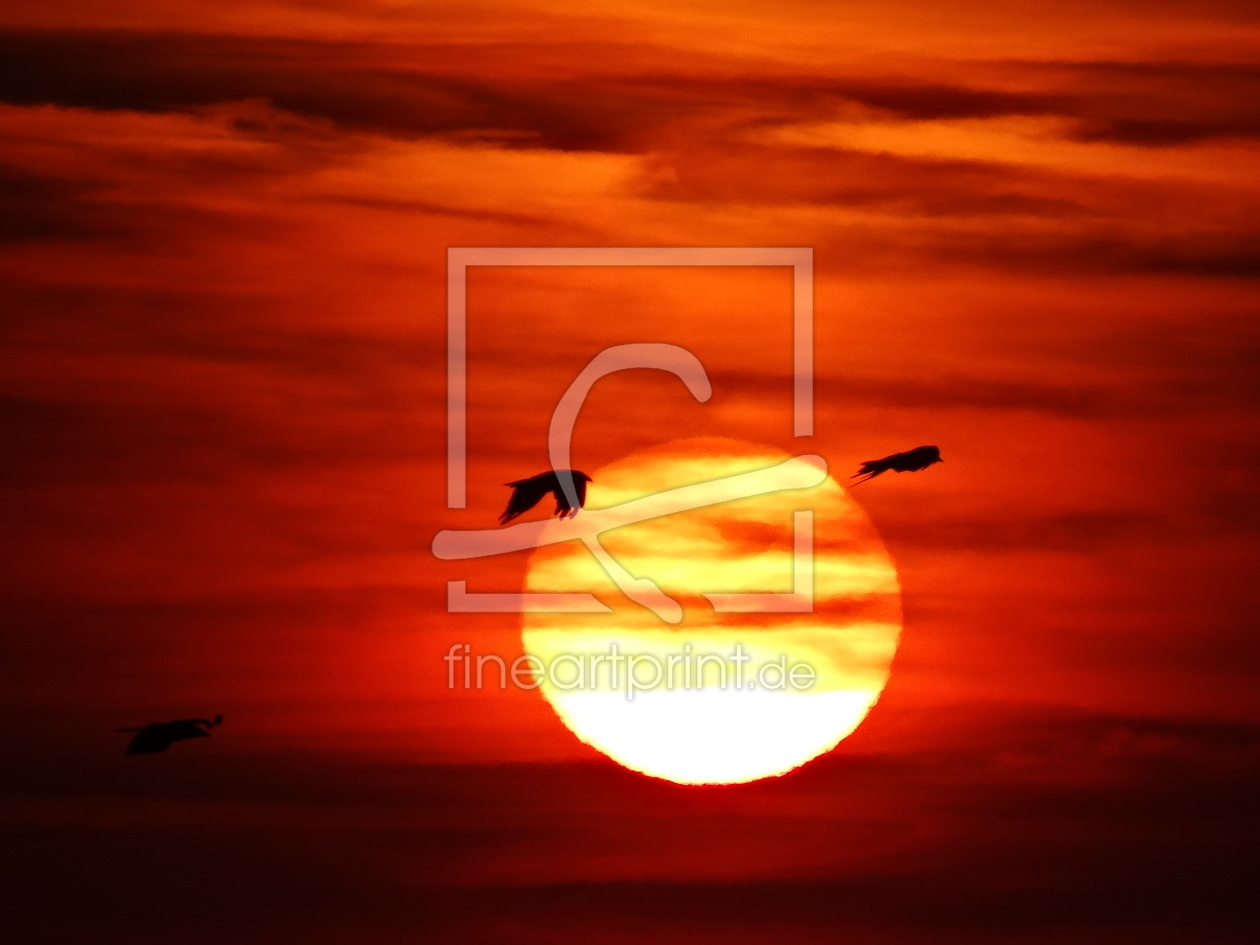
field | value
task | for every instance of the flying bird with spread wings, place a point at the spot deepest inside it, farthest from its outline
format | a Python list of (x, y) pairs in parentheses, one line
[(921, 457), (159, 736), (526, 493)]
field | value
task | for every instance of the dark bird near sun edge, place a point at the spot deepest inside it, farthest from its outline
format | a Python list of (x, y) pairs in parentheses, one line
[(921, 457), (159, 736), (526, 493)]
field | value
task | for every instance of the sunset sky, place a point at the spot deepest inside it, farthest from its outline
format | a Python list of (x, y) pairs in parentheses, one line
[(225, 231)]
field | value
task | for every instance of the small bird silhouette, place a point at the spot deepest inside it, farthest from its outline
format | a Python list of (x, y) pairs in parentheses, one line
[(159, 736), (921, 457), (526, 493)]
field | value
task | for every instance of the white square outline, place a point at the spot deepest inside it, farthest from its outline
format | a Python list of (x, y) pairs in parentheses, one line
[(460, 258)]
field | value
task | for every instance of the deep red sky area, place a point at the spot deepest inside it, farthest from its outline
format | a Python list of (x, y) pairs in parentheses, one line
[(224, 234)]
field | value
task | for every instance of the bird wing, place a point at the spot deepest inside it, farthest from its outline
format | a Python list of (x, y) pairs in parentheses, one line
[(870, 469), (526, 493), (921, 457), (578, 480), (150, 739)]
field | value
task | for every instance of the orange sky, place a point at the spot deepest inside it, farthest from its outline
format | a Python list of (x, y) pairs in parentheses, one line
[(224, 232)]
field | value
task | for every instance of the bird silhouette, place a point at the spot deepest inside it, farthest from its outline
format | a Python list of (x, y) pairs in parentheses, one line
[(159, 736), (921, 457), (526, 493)]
